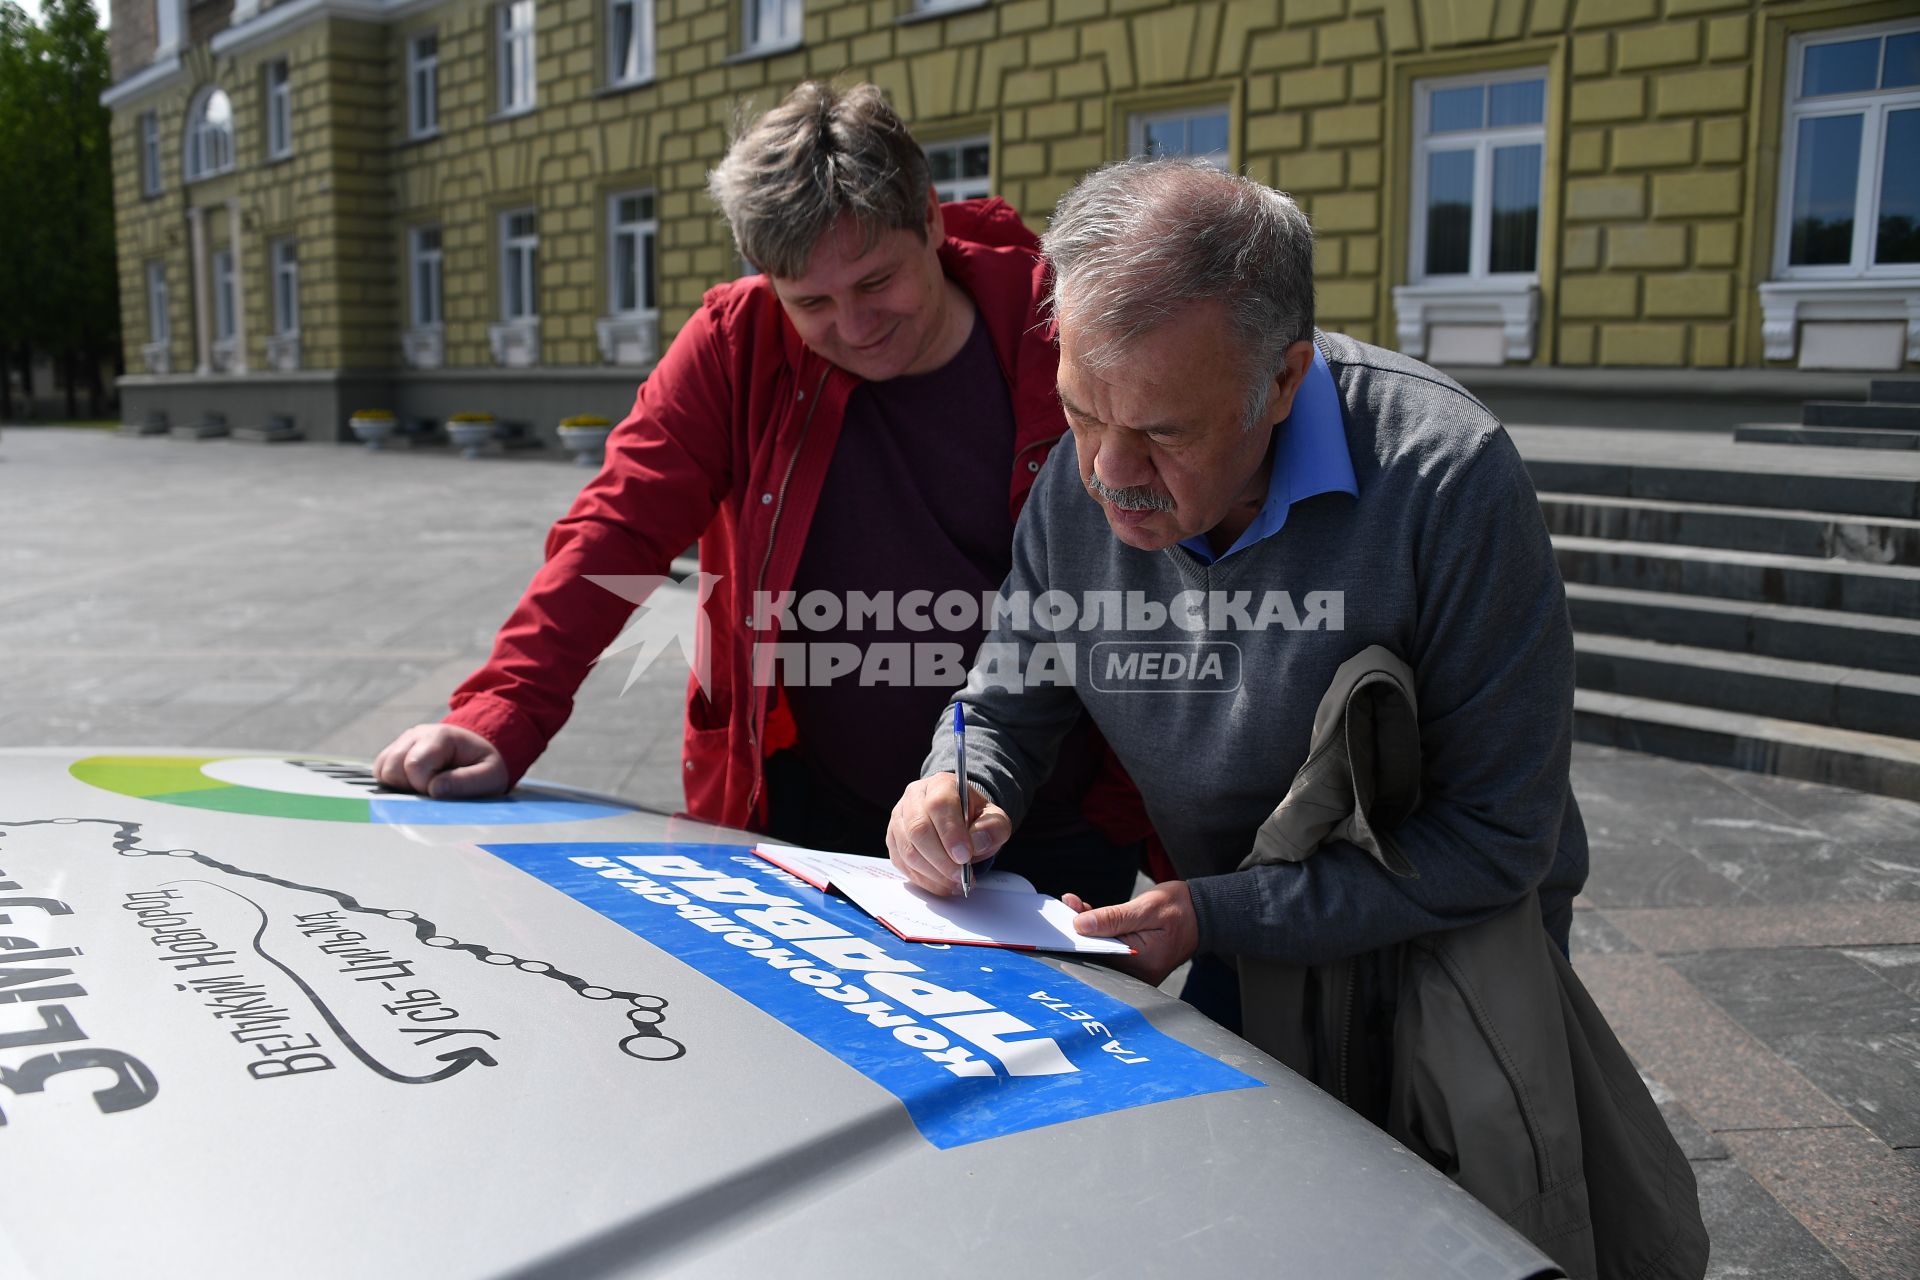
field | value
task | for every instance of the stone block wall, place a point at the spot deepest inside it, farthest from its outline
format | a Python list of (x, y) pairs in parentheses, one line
[(1660, 170)]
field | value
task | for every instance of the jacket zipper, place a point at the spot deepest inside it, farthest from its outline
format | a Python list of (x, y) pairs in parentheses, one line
[(1346, 1032), (760, 581)]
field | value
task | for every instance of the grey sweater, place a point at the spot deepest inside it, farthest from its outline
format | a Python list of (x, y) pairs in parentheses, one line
[(1443, 558)]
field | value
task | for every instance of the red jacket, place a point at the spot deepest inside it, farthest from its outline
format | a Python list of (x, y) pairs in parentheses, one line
[(729, 441)]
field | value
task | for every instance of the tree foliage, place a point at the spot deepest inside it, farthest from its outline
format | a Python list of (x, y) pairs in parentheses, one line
[(57, 271)]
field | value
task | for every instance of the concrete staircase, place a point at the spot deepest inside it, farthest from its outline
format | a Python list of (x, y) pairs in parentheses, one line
[(1731, 611), (1889, 418)]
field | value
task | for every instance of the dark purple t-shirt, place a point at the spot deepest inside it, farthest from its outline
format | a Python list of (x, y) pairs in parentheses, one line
[(915, 500)]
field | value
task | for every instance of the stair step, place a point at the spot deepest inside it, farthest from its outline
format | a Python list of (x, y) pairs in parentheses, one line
[(1860, 413), (1894, 390), (1828, 437), (1863, 640), (1889, 589), (1837, 757), (1882, 540), (1810, 692), (1853, 494)]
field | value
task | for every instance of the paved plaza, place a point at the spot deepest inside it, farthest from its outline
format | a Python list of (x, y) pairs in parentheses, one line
[(1755, 940)]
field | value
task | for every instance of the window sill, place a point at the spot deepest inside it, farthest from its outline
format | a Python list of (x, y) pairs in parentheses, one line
[(937, 12), (270, 161), (625, 86), (1491, 320), (758, 52), (209, 177), (631, 339), (515, 343), (1785, 305), (412, 138), (514, 113)]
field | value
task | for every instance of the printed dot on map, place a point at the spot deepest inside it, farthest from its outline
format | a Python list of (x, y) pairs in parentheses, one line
[(501, 957), (645, 1017), (595, 993), (441, 940), (399, 915), (179, 853), (535, 966), (649, 1002)]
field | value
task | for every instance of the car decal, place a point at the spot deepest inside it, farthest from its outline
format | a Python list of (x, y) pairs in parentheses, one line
[(316, 788), (975, 1042)]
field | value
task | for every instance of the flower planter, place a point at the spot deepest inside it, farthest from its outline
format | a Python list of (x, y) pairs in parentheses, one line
[(372, 432), (469, 437), (586, 444)]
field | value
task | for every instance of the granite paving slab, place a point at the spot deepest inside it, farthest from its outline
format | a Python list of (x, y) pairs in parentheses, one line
[(1753, 1237), (1850, 924), (1859, 1197), (1793, 990), (1875, 1077)]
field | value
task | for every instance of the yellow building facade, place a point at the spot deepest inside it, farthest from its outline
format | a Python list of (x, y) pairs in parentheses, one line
[(328, 204)]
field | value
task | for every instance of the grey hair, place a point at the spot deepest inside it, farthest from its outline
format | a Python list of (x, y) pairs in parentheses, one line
[(1138, 242), (789, 176)]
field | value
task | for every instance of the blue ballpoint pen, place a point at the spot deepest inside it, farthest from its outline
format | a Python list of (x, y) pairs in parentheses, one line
[(966, 806)]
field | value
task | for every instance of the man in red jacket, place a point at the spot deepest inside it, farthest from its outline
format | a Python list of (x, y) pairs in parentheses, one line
[(861, 422)]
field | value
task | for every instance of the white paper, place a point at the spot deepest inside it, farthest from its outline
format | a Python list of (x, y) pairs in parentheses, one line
[(1003, 910)]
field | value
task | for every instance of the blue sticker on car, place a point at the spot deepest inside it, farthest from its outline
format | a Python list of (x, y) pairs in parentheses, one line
[(976, 1042)]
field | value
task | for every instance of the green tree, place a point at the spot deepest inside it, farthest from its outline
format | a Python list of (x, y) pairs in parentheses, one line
[(57, 269)]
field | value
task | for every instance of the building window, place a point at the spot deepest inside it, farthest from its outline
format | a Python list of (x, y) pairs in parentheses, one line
[(150, 154), (1477, 173), (166, 26), (959, 168), (519, 244), (159, 325), (286, 287), (423, 85), (1851, 171), (224, 326), (1199, 132), (209, 140), (634, 230), (770, 24), (424, 249), (279, 111), (516, 56), (630, 49)]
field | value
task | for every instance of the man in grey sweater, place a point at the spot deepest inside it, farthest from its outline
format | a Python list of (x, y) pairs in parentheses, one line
[(1249, 503)]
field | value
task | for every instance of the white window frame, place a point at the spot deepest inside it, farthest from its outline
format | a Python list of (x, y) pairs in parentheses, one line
[(1138, 121), (519, 256), (646, 233), (279, 94), (767, 25), (517, 85), (1482, 142), (961, 188), (208, 148), (149, 153), (1874, 107), (226, 301), (425, 303), (423, 86), (633, 64), (159, 321), (284, 259)]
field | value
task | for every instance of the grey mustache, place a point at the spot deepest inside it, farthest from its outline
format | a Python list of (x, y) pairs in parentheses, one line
[(1135, 498)]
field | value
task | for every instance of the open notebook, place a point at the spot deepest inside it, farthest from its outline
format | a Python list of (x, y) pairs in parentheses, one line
[(1003, 911)]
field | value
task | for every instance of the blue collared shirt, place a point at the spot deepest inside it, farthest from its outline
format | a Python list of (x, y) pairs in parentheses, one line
[(1309, 458)]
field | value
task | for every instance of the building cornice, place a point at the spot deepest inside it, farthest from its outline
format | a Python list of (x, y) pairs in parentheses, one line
[(284, 19), (158, 76)]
